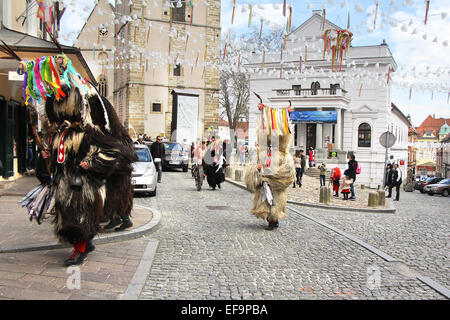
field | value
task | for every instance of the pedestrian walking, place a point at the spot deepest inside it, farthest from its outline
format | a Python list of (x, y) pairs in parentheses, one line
[(323, 171), (397, 181), (352, 167), (347, 182), (242, 155), (389, 182), (214, 163), (192, 150), (335, 177), (311, 157), (157, 150), (299, 164)]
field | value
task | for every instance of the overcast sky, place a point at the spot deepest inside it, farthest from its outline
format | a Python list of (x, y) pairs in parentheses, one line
[(408, 49)]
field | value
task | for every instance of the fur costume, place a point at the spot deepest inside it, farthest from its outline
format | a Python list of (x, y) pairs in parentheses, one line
[(270, 182), (91, 153), (279, 176), (120, 180), (80, 194)]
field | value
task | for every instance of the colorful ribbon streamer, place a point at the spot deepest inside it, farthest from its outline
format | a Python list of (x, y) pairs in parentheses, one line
[(275, 120), (427, 10), (234, 8), (323, 20), (42, 78), (375, 18)]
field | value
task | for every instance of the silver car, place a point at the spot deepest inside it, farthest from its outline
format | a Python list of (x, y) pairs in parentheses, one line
[(144, 176)]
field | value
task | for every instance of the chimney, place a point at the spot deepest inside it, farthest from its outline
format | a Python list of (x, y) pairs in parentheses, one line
[(434, 116), (319, 12)]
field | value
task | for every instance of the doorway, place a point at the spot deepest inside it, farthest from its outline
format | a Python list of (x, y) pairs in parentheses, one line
[(310, 135)]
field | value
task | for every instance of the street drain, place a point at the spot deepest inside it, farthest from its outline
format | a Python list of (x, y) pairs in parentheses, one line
[(218, 207)]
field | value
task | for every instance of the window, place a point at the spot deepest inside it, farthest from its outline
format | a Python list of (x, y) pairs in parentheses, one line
[(177, 70), (178, 12), (102, 86), (364, 135), (143, 155), (156, 107), (314, 87)]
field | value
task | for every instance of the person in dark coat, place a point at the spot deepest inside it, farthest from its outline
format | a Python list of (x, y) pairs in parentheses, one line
[(214, 164), (157, 150), (352, 165), (396, 181), (389, 176)]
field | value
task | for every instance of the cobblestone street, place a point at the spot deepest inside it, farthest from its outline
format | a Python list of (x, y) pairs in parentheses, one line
[(211, 247)]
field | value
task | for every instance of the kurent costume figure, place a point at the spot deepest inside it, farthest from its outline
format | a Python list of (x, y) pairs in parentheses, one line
[(91, 154), (214, 164), (274, 172)]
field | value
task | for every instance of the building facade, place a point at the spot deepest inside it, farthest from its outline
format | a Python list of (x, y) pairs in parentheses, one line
[(163, 80), (430, 134), (95, 41), (333, 115), (443, 158)]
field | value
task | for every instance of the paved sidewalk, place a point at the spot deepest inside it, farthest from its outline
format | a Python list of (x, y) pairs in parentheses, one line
[(105, 274), (15, 227), (310, 191)]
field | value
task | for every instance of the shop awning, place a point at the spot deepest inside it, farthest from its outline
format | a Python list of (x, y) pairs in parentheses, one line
[(29, 48)]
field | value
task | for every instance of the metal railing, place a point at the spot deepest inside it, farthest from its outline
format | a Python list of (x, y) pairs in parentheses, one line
[(311, 92)]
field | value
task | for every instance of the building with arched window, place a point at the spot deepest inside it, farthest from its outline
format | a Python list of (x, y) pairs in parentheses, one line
[(335, 112)]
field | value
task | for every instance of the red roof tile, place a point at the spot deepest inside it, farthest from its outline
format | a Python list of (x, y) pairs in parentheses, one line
[(432, 124)]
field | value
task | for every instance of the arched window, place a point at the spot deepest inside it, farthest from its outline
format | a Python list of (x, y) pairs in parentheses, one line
[(102, 86), (314, 87), (364, 135)]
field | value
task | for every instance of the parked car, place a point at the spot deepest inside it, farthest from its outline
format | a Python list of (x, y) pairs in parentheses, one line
[(442, 187), (421, 184), (148, 143), (175, 156), (144, 177)]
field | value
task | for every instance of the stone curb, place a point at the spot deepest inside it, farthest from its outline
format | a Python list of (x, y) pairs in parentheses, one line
[(140, 276), (320, 206), (102, 239)]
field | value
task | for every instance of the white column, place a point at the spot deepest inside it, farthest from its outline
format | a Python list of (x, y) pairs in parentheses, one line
[(319, 136), (337, 133)]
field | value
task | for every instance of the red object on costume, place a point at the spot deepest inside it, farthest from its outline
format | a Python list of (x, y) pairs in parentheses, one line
[(61, 153), (78, 247)]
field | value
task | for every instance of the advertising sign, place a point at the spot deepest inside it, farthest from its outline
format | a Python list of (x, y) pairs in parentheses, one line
[(313, 116)]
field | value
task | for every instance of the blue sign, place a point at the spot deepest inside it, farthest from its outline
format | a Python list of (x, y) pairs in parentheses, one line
[(313, 116)]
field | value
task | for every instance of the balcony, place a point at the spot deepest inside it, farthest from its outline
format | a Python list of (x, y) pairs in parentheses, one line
[(310, 92)]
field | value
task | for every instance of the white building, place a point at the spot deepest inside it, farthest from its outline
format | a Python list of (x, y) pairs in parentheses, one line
[(349, 108)]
